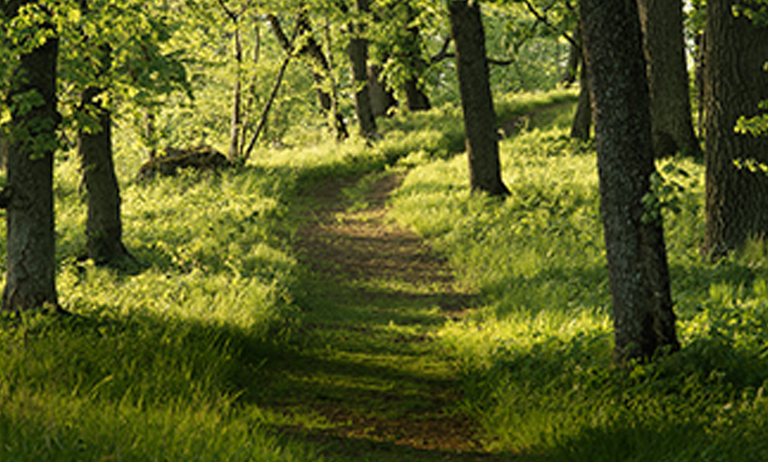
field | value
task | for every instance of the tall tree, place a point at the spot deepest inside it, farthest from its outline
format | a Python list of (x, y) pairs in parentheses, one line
[(734, 83), (671, 123), (358, 54), (103, 226), (476, 101), (28, 197), (637, 263)]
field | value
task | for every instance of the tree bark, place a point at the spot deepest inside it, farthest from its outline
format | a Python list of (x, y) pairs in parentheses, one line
[(736, 198), (671, 122), (31, 278), (476, 101), (103, 226), (637, 264), (358, 54)]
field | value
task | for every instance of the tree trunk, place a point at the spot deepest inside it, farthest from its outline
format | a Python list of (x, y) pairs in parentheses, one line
[(476, 101), (103, 226), (31, 279), (736, 198), (234, 125), (574, 58), (416, 99), (637, 264), (671, 123), (149, 132), (358, 54), (582, 121), (319, 67), (382, 100)]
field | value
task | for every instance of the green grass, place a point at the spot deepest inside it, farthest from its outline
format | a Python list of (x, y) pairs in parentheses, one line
[(536, 358), (192, 353)]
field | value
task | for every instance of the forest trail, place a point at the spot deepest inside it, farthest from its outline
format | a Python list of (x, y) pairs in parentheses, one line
[(368, 381)]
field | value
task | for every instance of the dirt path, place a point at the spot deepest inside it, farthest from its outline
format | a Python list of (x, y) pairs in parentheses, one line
[(369, 381)]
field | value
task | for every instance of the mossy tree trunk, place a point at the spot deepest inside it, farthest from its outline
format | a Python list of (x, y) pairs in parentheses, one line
[(644, 321), (476, 101), (734, 83), (31, 278)]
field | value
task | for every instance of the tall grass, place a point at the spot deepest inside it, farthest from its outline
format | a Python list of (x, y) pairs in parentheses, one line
[(154, 361)]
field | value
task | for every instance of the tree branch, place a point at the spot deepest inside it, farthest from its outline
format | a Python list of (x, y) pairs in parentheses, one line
[(543, 18), (443, 53)]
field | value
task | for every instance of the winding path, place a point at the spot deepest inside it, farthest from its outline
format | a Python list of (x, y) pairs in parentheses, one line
[(368, 381)]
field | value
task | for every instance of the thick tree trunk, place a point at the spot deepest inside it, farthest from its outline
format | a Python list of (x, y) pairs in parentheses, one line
[(31, 279), (671, 122), (736, 198), (476, 101), (103, 226), (637, 262), (358, 54)]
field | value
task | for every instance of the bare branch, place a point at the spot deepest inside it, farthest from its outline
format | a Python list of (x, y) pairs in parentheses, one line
[(543, 18)]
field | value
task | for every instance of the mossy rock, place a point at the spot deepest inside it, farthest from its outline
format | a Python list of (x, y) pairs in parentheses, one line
[(169, 164)]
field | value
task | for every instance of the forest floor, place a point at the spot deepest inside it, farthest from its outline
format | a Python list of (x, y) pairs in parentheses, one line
[(368, 380)]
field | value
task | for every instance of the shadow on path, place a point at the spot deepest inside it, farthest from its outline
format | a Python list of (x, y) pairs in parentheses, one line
[(367, 379)]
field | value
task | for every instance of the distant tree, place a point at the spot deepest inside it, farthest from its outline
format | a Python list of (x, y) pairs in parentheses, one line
[(358, 54), (236, 14), (28, 196), (399, 36), (314, 57), (103, 226), (581, 127), (671, 123), (644, 321), (476, 101), (735, 82)]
